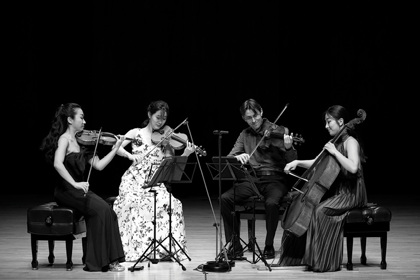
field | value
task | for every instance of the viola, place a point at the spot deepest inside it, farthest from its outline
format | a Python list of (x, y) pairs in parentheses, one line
[(319, 177), (90, 137), (271, 134), (176, 140)]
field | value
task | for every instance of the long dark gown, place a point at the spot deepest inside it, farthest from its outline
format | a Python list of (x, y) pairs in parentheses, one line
[(321, 247), (102, 233)]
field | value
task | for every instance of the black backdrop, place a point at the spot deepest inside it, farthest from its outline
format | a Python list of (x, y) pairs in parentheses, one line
[(205, 58)]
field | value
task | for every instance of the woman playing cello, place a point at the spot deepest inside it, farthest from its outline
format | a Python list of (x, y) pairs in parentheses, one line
[(321, 247)]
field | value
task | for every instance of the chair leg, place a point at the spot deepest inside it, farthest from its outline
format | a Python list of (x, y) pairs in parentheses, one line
[(51, 256), (349, 253), (69, 252), (363, 259), (34, 248), (383, 250)]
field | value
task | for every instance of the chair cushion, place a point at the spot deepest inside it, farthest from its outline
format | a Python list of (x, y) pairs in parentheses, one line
[(51, 219), (260, 204), (369, 215), (110, 200)]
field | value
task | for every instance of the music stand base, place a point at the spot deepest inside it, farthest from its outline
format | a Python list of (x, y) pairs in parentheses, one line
[(132, 268), (218, 266)]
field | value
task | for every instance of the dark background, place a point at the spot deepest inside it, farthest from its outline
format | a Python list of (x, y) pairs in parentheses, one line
[(205, 58)]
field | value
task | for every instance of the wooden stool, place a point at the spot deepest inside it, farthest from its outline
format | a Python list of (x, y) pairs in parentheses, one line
[(52, 222), (369, 221)]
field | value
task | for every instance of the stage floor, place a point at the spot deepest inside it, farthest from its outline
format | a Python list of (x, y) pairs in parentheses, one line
[(403, 256)]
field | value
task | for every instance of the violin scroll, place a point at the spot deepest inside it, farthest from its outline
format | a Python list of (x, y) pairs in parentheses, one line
[(298, 139)]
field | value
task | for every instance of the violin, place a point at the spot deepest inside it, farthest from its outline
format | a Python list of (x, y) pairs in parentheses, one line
[(176, 140), (319, 178), (297, 139), (272, 132), (90, 137), (93, 137)]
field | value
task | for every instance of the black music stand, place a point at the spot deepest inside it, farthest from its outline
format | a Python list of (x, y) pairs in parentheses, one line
[(230, 170), (233, 170), (171, 170)]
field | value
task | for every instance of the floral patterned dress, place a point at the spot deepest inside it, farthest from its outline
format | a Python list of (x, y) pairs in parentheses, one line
[(135, 208)]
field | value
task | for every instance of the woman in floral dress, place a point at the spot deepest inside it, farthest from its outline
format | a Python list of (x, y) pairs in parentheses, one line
[(135, 204)]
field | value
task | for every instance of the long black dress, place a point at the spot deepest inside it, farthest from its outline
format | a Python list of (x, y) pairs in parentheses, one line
[(102, 233)]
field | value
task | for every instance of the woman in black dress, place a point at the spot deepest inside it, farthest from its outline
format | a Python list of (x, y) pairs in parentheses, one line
[(104, 249)]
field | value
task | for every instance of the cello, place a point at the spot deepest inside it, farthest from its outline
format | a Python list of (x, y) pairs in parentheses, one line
[(319, 177)]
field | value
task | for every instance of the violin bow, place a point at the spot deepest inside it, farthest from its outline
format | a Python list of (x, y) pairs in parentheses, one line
[(94, 154)]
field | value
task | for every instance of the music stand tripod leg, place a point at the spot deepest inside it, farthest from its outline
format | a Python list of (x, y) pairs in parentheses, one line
[(170, 235), (152, 244), (254, 241), (235, 236), (171, 255)]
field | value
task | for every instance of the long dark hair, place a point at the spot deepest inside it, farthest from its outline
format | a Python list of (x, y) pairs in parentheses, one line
[(58, 127), (154, 107)]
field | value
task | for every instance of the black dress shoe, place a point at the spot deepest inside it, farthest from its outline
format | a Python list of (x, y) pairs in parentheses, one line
[(269, 252)]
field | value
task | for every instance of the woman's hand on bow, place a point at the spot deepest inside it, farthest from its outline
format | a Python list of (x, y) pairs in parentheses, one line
[(84, 186), (290, 166)]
